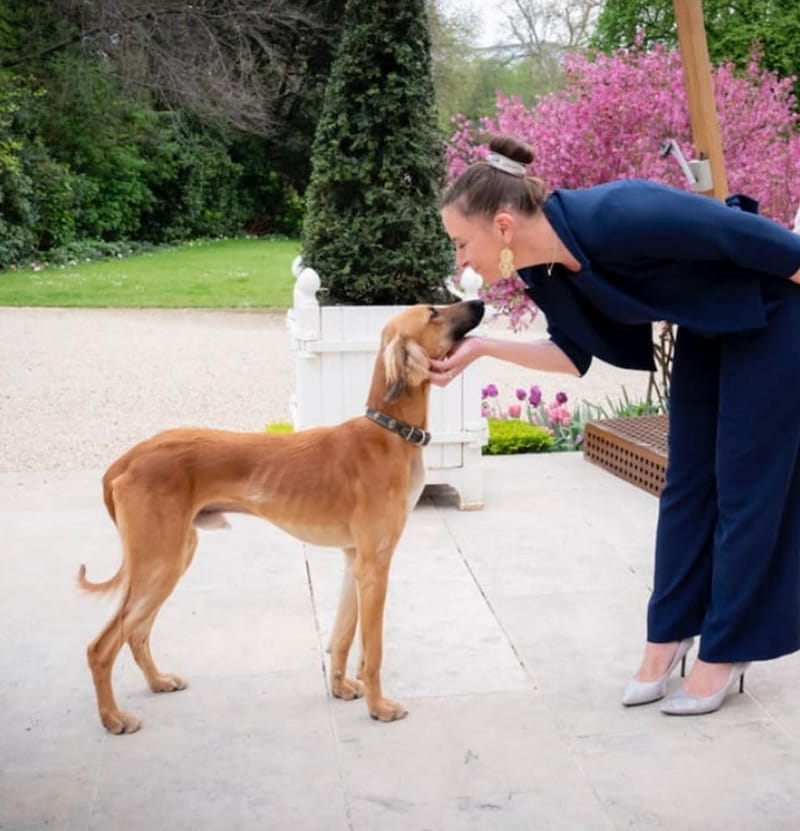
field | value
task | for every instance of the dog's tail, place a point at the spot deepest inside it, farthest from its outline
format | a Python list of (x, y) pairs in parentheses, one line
[(108, 497), (100, 588)]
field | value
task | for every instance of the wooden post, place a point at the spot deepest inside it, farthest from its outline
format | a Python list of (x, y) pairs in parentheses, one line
[(700, 89)]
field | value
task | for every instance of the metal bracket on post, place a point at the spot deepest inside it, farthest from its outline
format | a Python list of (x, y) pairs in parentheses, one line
[(696, 171)]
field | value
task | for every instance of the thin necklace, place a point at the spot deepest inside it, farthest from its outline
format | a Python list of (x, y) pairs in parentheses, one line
[(552, 259)]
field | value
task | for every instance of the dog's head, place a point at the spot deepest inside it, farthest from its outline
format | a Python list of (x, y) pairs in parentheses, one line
[(420, 333)]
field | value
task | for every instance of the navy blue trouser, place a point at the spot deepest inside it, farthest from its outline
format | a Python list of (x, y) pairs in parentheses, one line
[(727, 563)]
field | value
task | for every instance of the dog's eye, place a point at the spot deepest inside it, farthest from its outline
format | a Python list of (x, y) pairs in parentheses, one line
[(434, 312)]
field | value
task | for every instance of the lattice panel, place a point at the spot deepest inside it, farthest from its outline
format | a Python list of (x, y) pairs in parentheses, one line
[(635, 449)]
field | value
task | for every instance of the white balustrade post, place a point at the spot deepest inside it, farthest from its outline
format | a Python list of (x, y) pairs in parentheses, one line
[(304, 325), (475, 425)]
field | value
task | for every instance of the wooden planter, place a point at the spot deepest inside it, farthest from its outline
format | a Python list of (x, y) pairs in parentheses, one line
[(635, 449), (334, 352)]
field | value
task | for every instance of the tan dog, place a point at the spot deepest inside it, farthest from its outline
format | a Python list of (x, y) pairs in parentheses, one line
[(350, 486)]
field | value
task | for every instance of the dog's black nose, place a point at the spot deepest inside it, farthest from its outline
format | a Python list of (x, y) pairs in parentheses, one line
[(478, 308)]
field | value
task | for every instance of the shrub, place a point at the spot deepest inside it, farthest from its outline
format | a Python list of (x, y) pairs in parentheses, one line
[(372, 228), (279, 427), (17, 211), (507, 436)]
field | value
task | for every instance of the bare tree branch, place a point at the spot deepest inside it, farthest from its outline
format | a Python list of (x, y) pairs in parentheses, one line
[(548, 29), (230, 60)]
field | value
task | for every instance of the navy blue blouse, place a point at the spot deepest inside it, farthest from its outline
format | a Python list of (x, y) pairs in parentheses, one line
[(650, 252)]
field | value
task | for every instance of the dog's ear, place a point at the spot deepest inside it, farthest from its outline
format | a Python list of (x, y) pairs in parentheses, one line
[(405, 362), (394, 359)]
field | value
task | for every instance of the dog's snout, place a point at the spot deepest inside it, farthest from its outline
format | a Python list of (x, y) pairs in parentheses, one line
[(471, 315)]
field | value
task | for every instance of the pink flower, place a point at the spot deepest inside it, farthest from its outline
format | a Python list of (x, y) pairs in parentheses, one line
[(559, 415), (514, 411)]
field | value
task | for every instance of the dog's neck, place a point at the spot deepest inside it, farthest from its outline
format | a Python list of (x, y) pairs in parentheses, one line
[(412, 405)]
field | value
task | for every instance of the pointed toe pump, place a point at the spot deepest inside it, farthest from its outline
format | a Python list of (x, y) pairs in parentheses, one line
[(681, 703), (645, 692)]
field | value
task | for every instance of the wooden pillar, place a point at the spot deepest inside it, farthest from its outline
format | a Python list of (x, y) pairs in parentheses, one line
[(700, 89)]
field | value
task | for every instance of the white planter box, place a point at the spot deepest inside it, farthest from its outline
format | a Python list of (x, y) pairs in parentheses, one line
[(334, 353)]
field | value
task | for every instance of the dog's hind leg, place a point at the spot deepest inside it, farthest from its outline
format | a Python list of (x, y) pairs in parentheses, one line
[(139, 640), (154, 554), (344, 630)]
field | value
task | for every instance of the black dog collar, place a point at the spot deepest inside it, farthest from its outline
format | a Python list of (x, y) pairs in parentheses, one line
[(414, 435)]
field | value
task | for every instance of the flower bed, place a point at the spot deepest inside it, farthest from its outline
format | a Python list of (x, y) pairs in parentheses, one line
[(556, 427)]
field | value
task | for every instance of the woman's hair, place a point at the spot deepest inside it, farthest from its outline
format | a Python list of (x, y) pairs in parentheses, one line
[(483, 190)]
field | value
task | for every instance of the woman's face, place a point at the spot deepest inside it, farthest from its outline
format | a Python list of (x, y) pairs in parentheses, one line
[(478, 242)]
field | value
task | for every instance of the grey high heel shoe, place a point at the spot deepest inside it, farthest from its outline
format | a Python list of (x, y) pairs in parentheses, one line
[(644, 692), (681, 703)]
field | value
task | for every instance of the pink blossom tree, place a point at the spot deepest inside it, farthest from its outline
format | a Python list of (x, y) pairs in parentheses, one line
[(614, 114)]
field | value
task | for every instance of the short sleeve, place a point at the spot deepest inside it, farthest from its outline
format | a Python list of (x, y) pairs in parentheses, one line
[(580, 357)]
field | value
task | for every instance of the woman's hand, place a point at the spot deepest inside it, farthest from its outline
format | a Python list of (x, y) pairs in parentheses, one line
[(465, 351)]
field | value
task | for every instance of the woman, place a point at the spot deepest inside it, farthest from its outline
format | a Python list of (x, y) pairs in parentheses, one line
[(605, 262)]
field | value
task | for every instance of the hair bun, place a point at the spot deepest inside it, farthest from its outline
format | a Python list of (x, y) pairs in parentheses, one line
[(512, 148)]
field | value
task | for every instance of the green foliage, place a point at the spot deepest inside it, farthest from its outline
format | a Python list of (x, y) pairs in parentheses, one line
[(372, 228), (280, 427), (731, 29), (507, 436), (193, 180), (86, 162), (624, 407), (17, 212), (268, 197)]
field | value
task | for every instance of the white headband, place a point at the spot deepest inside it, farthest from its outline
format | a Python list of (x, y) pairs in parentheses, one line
[(505, 164)]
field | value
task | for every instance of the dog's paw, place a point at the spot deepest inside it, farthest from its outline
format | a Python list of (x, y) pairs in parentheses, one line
[(119, 722), (167, 683), (388, 710), (347, 689)]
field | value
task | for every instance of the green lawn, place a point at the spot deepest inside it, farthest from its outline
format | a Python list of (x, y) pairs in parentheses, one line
[(238, 273)]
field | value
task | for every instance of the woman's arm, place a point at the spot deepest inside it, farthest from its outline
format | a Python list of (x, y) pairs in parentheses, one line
[(543, 355), (795, 278)]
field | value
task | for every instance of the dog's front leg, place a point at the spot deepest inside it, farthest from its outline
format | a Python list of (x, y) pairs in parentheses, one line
[(344, 630), (372, 575)]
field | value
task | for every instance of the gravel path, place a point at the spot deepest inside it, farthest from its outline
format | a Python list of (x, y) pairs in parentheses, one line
[(79, 386)]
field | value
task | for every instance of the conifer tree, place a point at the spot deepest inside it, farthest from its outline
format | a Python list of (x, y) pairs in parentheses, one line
[(372, 229)]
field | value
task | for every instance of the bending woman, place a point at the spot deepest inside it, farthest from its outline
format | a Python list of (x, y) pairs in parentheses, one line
[(604, 263)]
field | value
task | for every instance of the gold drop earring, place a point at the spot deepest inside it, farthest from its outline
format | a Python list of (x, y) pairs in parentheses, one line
[(506, 263)]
